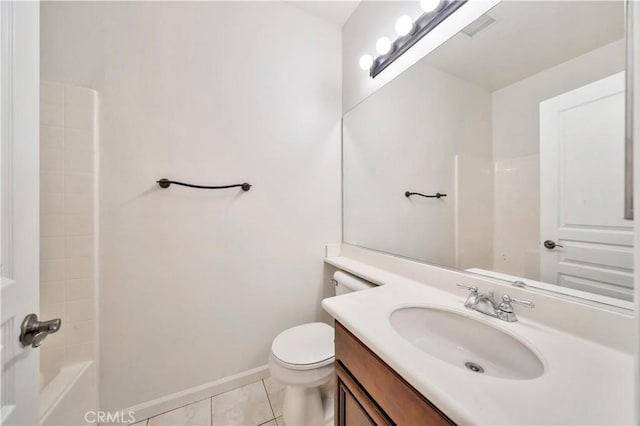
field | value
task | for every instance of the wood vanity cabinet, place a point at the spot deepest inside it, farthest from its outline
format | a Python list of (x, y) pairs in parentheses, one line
[(369, 392)]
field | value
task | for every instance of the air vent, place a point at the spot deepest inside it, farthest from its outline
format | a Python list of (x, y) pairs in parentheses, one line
[(478, 25)]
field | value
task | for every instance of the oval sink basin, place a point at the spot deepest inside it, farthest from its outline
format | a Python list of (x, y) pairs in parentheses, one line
[(467, 343)]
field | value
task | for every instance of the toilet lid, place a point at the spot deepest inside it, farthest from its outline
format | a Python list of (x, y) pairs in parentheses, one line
[(305, 346)]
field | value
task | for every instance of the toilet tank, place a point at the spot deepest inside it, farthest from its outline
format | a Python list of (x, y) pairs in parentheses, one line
[(346, 283)]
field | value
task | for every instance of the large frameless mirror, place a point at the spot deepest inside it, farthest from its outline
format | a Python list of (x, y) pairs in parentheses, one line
[(502, 153)]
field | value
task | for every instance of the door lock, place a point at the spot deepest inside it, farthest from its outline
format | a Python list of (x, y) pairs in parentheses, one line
[(551, 244), (33, 331)]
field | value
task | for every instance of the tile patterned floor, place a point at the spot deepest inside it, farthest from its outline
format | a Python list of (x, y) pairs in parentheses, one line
[(255, 404)]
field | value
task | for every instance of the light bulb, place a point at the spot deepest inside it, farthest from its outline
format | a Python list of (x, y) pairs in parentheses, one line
[(366, 61), (383, 45), (429, 5), (404, 24)]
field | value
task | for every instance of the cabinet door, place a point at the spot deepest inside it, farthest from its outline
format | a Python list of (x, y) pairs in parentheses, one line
[(353, 405), (352, 413), (390, 393)]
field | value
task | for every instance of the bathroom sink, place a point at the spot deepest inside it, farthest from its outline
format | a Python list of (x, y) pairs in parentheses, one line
[(466, 343)]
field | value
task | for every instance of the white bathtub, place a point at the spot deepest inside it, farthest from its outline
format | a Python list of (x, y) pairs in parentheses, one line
[(69, 395)]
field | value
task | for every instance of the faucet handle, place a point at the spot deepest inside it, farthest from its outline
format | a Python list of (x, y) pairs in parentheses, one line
[(506, 299), (472, 288)]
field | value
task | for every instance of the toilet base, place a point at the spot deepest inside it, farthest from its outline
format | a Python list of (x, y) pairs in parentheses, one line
[(327, 393), (308, 397), (303, 406), (307, 406)]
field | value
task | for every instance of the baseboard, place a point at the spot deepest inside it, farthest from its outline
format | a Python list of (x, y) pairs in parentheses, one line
[(172, 401)]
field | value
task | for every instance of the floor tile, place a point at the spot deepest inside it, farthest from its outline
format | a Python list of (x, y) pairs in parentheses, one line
[(196, 414), (247, 405), (142, 423), (275, 390), (280, 421), (271, 423)]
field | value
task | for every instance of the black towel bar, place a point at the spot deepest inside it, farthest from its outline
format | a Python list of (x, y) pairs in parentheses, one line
[(165, 183), (438, 195)]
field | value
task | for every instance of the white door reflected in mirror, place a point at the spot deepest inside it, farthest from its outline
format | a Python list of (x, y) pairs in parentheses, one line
[(582, 131)]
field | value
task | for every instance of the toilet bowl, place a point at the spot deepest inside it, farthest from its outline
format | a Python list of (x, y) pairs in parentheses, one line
[(302, 359)]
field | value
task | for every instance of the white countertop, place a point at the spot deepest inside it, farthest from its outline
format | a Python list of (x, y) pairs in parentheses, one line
[(584, 382)]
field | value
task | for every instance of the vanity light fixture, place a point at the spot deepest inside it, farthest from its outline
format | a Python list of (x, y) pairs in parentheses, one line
[(404, 25), (383, 45), (435, 11), (429, 5), (366, 61)]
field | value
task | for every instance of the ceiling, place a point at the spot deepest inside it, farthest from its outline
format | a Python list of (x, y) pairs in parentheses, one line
[(337, 12), (528, 37)]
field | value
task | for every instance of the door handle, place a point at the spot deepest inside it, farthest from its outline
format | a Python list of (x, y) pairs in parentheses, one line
[(33, 331), (551, 245)]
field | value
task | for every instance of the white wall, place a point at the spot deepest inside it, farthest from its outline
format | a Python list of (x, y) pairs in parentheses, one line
[(516, 145), (195, 284), (67, 284), (406, 137), (516, 107)]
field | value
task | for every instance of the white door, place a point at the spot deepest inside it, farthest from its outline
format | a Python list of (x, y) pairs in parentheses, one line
[(582, 190), (19, 212)]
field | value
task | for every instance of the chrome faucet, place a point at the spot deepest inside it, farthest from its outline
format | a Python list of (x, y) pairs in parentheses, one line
[(485, 304)]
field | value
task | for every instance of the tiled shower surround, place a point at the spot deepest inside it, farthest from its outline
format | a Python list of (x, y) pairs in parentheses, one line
[(67, 229)]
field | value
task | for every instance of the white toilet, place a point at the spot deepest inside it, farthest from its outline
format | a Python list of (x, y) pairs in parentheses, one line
[(302, 359)]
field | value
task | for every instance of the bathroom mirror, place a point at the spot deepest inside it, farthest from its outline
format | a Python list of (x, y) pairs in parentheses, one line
[(519, 119)]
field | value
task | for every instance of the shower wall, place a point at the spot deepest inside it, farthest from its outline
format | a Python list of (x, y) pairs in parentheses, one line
[(67, 231)]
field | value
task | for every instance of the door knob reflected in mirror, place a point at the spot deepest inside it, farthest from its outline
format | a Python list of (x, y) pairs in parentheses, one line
[(551, 244), (33, 331)]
